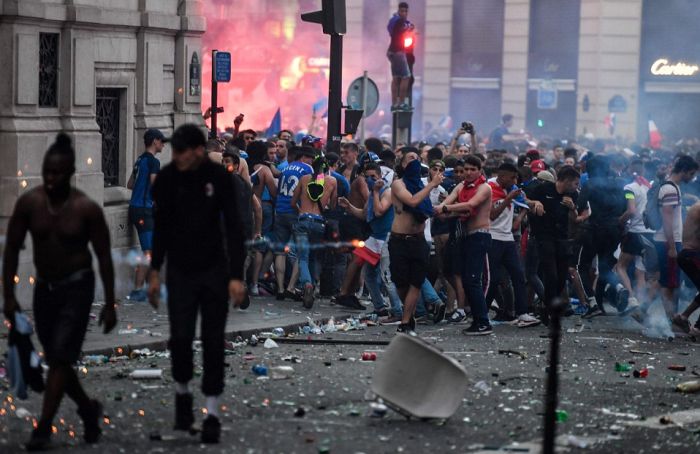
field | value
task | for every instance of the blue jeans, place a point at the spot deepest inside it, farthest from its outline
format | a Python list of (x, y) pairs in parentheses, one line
[(474, 248), (427, 295), (505, 253), (308, 230), (394, 299)]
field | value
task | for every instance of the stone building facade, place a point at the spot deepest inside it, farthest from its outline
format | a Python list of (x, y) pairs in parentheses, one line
[(103, 71)]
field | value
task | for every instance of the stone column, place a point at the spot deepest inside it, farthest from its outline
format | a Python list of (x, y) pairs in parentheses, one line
[(609, 49), (438, 60), (516, 38)]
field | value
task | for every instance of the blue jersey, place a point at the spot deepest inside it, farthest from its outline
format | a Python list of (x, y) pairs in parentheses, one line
[(288, 182), (145, 166)]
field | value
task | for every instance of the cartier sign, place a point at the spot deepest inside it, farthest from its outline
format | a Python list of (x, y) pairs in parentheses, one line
[(662, 67)]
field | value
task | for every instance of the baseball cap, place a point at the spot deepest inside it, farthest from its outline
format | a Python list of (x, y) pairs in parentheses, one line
[(152, 134), (546, 176), (537, 166)]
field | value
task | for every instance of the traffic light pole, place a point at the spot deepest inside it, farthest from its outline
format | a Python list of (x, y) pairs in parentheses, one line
[(214, 96), (335, 85)]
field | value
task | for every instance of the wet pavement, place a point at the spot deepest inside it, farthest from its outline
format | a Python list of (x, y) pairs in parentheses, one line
[(324, 405)]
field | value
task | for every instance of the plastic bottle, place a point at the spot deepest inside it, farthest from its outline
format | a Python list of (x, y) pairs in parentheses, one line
[(281, 372), (260, 370), (643, 373), (561, 416), (279, 332), (95, 359), (688, 386), (619, 367)]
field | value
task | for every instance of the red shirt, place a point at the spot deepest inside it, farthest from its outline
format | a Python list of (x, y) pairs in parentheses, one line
[(468, 191)]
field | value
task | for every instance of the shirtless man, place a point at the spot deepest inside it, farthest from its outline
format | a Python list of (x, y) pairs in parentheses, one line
[(61, 220), (473, 205), (314, 192), (408, 251), (689, 261)]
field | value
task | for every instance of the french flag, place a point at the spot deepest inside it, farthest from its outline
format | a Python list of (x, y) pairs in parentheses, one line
[(654, 136)]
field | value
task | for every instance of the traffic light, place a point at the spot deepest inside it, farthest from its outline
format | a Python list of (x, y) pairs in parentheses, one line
[(540, 123), (331, 17)]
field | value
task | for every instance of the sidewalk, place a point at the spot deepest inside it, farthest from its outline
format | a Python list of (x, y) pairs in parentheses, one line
[(139, 326)]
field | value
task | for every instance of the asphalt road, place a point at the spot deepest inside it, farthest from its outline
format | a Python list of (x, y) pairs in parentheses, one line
[(325, 405)]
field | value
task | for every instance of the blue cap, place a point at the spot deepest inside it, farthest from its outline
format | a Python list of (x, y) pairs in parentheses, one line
[(153, 134)]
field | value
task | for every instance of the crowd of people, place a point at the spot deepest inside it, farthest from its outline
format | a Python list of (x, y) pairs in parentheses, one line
[(459, 231), (450, 233)]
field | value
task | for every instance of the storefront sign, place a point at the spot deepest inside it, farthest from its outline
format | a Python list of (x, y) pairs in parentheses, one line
[(662, 67), (547, 95)]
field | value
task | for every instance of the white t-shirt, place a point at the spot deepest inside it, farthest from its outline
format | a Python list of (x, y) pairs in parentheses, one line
[(435, 200), (670, 195), (501, 228), (639, 193)]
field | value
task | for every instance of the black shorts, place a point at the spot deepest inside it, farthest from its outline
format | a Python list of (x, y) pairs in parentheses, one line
[(61, 315), (410, 259), (632, 244)]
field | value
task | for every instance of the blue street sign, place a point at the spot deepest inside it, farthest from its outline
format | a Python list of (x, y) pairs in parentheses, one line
[(222, 67)]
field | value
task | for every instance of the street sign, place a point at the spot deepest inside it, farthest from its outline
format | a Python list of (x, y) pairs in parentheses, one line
[(354, 97), (222, 66), (547, 96)]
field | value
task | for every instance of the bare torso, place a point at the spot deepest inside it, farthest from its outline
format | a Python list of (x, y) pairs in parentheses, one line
[(60, 234), (404, 221), (691, 228), (480, 218), (306, 205)]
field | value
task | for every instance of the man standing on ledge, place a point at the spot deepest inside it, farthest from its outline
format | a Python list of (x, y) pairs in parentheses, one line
[(62, 220), (192, 195), (399, 27)]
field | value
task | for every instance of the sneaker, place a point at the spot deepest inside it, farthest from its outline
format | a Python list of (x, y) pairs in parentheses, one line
[(623, 299), (695, 332), (681, 322), (478, 330), (350, 302), (525, 320), (380, 313), (593, 311), (308, 296), (294, 296), (504, 317), (91, 417), (406, 329), (456, 317), (211, 430), (245, 304), (390, 320), (254, 290), (422, 319), (184, 416), (39, 441), (439, 314)]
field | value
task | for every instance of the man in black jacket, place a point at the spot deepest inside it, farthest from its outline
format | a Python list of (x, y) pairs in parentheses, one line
[(192, 196)]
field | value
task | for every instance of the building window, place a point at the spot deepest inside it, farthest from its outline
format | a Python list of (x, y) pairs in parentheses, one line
[(477, 51), (48, 69), (107, 109)]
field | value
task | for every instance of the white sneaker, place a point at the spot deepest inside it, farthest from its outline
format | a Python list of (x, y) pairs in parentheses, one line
[(525, 320), (254, 290)]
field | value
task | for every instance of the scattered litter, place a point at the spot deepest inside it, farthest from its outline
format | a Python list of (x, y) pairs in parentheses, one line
[(22, 413), (483, 387), (259, 370), (377, 409), (279, 332), (678, 419), (147, 374), (299, 412), (128, 331), (619, 367), (269, 343), (369, 356), (642, 373), (677, 367), (688, 387), (561, 415), (608, 412), (522, 355), (639, 352), (281, 372)]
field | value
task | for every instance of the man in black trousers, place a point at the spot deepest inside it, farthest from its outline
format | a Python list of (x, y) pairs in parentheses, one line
[(198, 231)]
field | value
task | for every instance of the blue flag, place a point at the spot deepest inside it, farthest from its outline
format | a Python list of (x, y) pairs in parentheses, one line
[(320, 104), (275, 124)]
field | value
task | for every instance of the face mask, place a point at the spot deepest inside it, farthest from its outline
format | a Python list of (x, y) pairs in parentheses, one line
[(413, 169), (370, 182)]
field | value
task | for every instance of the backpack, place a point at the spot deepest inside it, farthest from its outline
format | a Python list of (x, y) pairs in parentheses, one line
[(244, 202), (652, 212)]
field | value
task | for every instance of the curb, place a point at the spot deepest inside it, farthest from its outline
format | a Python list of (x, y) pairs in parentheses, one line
[(229, 335)]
